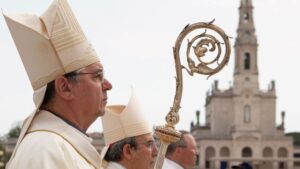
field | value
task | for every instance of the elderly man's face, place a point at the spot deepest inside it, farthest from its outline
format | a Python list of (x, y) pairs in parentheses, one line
[(188, 153), (92, 90), (143, 157)]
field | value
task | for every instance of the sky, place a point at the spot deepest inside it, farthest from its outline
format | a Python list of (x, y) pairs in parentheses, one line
[(134, 39)]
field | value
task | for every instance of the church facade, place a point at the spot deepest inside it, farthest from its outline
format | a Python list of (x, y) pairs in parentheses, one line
[(240, 123)]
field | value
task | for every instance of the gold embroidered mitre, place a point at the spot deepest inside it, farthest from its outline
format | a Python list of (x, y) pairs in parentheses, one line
[(50, 45), (120, 121)]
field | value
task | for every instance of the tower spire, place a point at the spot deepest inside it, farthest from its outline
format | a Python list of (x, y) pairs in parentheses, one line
[(245, 69)]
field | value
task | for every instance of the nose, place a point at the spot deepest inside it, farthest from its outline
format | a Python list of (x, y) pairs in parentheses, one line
[(154, 150), (107, 85)]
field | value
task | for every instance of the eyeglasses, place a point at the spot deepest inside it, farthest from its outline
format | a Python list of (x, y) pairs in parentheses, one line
[(99, 75), (149, 144)]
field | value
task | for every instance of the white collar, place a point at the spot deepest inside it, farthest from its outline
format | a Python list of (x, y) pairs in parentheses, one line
[(173, 164), (115, 165)]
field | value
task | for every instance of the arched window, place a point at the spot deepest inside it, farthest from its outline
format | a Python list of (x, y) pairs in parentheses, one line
[(224, 152), (247, 114), (267, 152), (209, 153), (282, 152), (247, 61), (246, 17), (247, 152)]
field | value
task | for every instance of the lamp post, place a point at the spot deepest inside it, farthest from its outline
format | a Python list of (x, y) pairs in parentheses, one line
[(201, 40)]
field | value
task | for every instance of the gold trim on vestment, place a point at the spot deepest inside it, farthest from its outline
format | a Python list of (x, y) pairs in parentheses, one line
[(33, 131)]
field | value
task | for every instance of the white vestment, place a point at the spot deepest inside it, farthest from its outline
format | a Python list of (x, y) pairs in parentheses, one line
[(114, 165), (51, 143), (169, 164)]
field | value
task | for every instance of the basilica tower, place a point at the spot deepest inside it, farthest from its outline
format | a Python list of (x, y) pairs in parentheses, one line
[(252, 106), (244, 107), (240, 122), (245, 69)]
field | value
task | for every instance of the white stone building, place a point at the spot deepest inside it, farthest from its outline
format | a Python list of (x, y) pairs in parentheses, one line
[(240, 121)]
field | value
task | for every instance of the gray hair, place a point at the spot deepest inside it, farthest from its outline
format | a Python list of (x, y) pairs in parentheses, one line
[(115, 151), (50, 91), (180, 143)]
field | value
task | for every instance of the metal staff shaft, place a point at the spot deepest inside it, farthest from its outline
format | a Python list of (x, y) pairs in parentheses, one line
[(201, 44), (161, 153)]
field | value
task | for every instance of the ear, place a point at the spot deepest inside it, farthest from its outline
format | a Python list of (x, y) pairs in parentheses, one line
[(178, 151), (63, 88), (127, 151)]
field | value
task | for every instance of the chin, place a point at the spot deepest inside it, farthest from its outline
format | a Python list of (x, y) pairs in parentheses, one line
[(101, 112)]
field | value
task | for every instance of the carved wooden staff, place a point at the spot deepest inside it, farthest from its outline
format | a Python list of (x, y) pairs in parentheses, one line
[(200, 45)]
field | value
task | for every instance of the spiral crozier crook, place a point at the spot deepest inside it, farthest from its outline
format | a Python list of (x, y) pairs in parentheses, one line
[(201, 42)]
